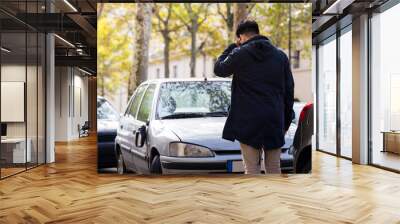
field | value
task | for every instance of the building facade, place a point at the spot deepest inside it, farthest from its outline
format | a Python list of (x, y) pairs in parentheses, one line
[(179, 68), (357, 81)]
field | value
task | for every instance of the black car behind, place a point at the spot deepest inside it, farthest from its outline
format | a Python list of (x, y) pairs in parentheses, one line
[(107, 122)]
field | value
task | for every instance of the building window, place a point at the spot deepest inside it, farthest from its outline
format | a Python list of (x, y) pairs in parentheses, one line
[(158, 73), (175, 68), (385, 89), (22, 102), (327, 96), (334, 99), (296, 59), (346, 94)]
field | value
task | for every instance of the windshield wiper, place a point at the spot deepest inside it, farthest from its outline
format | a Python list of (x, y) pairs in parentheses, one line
[(217, 114), (194, 114), (183, 115)]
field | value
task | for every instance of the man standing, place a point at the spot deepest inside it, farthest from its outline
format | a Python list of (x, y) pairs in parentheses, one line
[(262, 97)]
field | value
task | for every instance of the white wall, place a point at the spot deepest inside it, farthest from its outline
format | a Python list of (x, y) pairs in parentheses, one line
[(119, 99), (10, 73), (303, 84), (71, 102), (33, 125), (50, 93), (183, 68), (61, 103), (314, 91)]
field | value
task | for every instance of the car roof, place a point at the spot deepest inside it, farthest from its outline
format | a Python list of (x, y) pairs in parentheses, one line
[(166, 80)]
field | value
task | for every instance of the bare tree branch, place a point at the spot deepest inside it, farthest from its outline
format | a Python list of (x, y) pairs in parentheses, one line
[(250, 7), (100, 10), (205, 16), (182, 20), (219, 11)]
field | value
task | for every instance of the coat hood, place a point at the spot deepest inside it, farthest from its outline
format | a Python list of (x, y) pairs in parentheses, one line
[(259, 47)]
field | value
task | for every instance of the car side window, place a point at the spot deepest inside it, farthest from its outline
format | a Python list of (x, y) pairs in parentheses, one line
[(145, 107), (136, 100), (128, 107)]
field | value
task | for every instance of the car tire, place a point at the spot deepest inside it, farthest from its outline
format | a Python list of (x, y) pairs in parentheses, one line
[(121, 168), (155, 167), (305, 168)]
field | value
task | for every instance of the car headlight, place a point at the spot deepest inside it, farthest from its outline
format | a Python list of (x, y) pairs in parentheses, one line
[(178, 149)]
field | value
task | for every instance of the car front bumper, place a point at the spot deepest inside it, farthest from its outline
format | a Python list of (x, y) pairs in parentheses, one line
[(177, 165), (219, 163)]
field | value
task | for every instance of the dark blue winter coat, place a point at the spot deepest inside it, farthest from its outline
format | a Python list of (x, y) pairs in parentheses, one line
[(262, 93)]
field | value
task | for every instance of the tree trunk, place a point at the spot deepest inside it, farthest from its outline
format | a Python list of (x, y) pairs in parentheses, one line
[(142, 39), (204, 64), (229, 22), (193, 49), (100, 10), (239, 13), (166, 54), (102, 90), (129, 86)]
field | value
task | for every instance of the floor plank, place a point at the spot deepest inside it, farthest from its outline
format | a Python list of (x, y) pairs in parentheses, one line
[(71, 191)]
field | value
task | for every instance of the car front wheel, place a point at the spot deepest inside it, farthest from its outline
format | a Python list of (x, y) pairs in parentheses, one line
[(121, 169), (155, 167)]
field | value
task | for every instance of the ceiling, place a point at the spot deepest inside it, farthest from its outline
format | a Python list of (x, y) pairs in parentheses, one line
[(328, 13), (73, 21)]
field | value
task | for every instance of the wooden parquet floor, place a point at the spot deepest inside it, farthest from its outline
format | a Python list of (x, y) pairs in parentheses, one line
[(71, 191)]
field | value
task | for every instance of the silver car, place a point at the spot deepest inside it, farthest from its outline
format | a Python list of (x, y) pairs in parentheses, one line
[(175, 126)]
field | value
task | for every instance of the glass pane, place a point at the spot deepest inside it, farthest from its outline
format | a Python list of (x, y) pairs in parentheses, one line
[(346, 94), (193, 97), (41, 99), (385, 84), (31, 98), (145, 106), (136, 101), (327, 96), (13, 86), (105, 111), (32, 89)]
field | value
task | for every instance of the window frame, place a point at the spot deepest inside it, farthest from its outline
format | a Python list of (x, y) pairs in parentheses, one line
[(336, 36), (152, 101), (379, 10), (128, 109)]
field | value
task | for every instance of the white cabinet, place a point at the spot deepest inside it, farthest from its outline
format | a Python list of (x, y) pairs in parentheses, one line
[(16, 149)]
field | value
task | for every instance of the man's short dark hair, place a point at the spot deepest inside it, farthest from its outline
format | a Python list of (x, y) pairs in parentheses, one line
[(247, 27)]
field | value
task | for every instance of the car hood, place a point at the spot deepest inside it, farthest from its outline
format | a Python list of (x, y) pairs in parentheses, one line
[(207, 132)]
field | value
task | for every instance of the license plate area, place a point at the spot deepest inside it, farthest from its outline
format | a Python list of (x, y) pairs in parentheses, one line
[(235, 166)]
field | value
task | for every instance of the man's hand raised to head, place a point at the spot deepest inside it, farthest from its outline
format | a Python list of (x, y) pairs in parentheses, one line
[(237, 42)]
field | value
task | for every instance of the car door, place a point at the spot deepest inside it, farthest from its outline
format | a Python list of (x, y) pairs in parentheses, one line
[(127, 128), (142, 119)]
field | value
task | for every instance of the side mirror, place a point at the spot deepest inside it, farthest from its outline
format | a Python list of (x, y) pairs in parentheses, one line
[(140, 136)]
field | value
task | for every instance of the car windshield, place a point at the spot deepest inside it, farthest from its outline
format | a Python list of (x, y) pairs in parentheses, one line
[(193, 99), (105, 111)]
